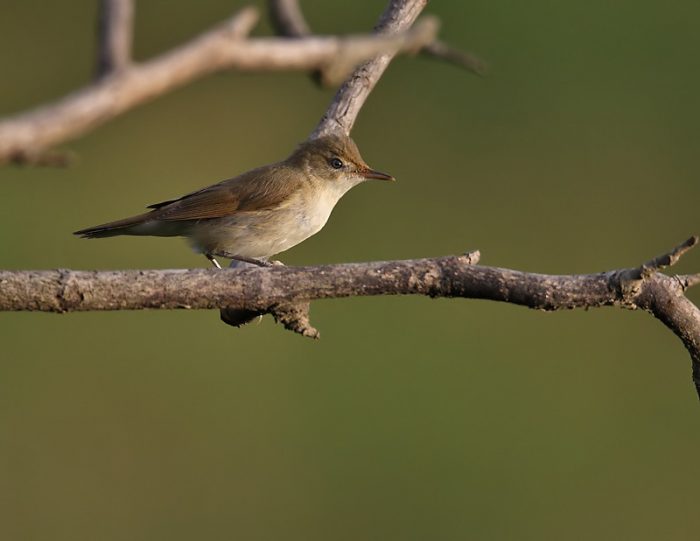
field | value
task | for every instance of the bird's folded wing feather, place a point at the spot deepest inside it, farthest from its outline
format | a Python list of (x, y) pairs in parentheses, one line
[(259, 189)]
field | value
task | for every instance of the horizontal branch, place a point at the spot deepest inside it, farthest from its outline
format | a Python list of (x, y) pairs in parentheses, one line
[(259, 288), (251, 287), (286, 291), (24, 137)]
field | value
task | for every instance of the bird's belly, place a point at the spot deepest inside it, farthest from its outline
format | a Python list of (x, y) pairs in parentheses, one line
[(258, 234)]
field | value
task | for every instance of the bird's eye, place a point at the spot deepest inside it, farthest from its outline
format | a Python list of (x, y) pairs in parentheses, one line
[(336, 163)]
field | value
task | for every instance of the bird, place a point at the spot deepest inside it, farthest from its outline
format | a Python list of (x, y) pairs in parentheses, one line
[(260, 213)]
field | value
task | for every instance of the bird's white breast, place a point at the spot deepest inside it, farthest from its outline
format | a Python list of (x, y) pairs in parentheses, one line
[(264, 233)]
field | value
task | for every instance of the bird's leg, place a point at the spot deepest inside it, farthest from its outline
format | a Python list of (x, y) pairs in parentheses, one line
[(251, 260), (214, 261), (254, 261)]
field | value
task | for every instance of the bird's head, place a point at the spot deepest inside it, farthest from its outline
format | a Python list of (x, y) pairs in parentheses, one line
[(335, 159)]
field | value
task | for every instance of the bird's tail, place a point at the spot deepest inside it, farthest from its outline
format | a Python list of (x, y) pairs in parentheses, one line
[(128, 226)]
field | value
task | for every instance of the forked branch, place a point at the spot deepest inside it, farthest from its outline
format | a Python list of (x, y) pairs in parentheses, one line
[(29, 136), (288, 20)]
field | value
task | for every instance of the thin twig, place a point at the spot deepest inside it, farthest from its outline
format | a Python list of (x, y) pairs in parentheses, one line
[(671, 258), (287, 18), (114, 36), (469, 61)]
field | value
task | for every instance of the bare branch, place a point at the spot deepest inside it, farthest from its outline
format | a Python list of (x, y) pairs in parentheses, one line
[(25, 137), (251, 287), (442, 51), (671, 258), (114, 35), (286, 291), (343, 110), (631, 279), (294, 315), (663, 297), (288, 20)]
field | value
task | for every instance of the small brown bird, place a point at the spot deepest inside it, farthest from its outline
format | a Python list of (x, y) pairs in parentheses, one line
[(260, 213)]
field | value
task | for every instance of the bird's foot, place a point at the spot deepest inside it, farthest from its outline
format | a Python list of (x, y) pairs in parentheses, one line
[(251, 260)]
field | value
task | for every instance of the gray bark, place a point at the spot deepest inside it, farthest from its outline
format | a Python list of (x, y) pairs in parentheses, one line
[(285, 292)]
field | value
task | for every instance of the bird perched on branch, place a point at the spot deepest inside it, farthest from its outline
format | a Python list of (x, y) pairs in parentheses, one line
[(260, 213)]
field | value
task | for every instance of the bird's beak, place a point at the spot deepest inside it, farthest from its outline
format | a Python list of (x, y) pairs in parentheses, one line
[(375, 175)]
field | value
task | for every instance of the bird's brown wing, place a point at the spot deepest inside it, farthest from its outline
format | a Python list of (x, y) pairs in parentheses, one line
[(263, 188)]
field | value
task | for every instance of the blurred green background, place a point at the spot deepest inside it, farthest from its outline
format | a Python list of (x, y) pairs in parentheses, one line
[(411, 418)]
